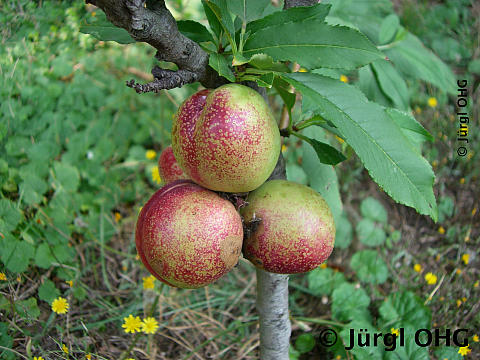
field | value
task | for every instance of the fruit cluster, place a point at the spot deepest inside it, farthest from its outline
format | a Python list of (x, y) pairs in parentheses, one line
[(188, 235)]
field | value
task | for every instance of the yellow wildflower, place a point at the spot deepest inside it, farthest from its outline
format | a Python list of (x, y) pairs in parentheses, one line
[(69, 282), (417, 268), (462, 181), (474, 211), (437, 257), (442, 298), (476, 284), (118, 216), (395, 331), (435, 163), (458, 271), (459, 302), (137, 257), (94, 13), (323, 266), (148, 282), (464, 350), (432, 102), (430, 278), (465, 258), (418, 110), (3, 277), (441, 230), (475, 338), (65, 348), (151, 154), (132, 324), (37, 358), (343, 78), (303, 70), (88, 356), (60, 305), (149, 325), (284, 148), (19, 278), (464, 299), (156, 175)]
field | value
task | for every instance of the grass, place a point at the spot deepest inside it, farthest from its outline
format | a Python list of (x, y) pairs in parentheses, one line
[(74, 174)]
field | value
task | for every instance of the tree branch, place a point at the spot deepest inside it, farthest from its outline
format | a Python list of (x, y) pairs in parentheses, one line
[(294, 3), (151, 22)]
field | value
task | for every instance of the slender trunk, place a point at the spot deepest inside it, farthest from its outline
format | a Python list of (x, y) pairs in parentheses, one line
[(272, 307)]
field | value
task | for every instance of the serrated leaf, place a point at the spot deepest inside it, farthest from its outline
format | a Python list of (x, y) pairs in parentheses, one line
[(28, 309), (10, 216), (369, 267), (44, 257), (326, 154), (194, 30), (16, 254), (385, 151), (220, 64), (372, 209), (212, 18), (265, 62), (104, 30), (369, 234), (224, 16), (248, 10), (282, 88), (368, 84), (47, 291), (313, 44), (295, 14), (322, 178), (67, 176), (266, 80), (405, 308), (391, 83), (409, 125), (389, 28), (324, 281), (412, 58), (350, 303)]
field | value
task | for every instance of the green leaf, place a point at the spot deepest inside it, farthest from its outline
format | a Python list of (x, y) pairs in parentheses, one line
[(6, 341), (44, 257), (369, 267), (370, 352), (369, 234), (389, 28), (67, 176), (10, 216), (266, 80), (47, 291), (379, 142), (224, 16), (322, 178), (104, 30), (265, 62), (446, 208), (248, 10), (27, 309), (344, 233), (194, 31), (295, 14), (313, 44), (410, 350), (305, 343), (16, 254), (411, 128), (324, 281), (372, 209), (33, 188), (405, 308), (391, 83), (448, 352), (326, 154), (212, 19), (412, 58), (350, 303), (368, 84), (220, 64), (282, 88)]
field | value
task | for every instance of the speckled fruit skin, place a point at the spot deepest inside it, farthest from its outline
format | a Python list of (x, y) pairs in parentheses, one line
[(188, 236), (296, 233), (227, 141), (168, 167)]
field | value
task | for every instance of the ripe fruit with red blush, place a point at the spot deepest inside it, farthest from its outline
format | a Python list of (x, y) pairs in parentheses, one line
[(226, 139), (188, 236), (295, 232), (168, 167)]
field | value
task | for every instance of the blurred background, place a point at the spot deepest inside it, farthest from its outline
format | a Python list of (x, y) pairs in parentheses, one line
[(78, 160)]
